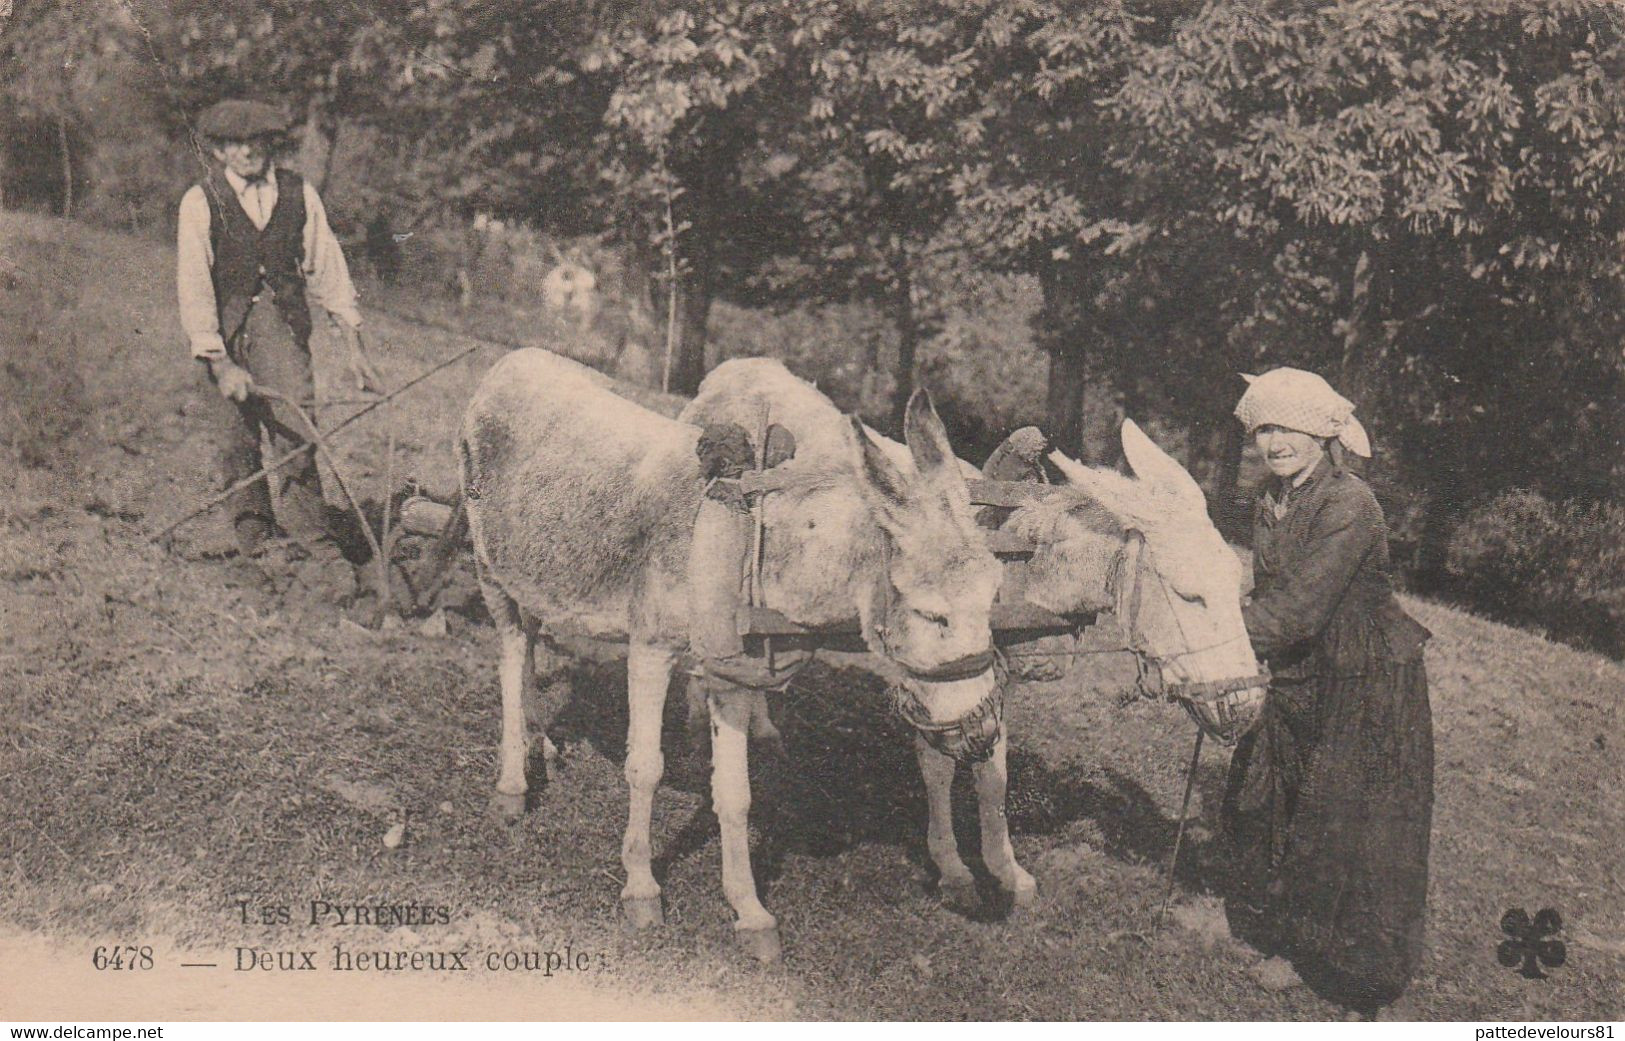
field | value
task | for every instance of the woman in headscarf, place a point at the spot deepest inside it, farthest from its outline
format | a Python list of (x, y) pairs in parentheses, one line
[(1330, 799)]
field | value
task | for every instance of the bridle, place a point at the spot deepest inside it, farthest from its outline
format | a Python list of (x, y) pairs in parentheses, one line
[(1131, 561), (972, 737)]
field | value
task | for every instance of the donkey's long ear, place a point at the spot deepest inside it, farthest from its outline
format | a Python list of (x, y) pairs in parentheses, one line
[(1159, 469), (1082, 476), (885, 486), (1117, 494), (926, 437)]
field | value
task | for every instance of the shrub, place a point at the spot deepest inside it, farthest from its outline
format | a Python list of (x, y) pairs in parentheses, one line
[(1527, 560)]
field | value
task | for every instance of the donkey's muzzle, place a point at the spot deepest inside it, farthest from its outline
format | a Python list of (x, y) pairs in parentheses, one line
[(1226, 709), (972, 737), (969, 739)]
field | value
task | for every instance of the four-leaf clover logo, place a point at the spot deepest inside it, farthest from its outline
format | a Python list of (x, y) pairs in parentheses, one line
[(1530, 944)]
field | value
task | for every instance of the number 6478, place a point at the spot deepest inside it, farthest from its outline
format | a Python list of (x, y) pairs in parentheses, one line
[(122, 957)]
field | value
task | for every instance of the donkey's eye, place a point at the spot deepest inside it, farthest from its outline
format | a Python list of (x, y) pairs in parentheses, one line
[(934, 618), (1192, 598)]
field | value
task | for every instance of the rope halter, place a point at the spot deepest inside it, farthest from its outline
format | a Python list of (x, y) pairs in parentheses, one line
[(1224, 709)]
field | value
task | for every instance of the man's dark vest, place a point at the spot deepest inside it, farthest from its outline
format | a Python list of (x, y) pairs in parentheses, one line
[(247, 258)]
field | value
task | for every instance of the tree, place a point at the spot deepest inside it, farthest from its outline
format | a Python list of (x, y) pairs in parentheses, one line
[(1041, 194), (330, 64), (680, 121), (51, 53), (1439, 185), (884, 113)]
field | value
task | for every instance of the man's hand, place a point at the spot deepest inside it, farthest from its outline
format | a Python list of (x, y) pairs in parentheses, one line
[(233, 380), (361, 366)]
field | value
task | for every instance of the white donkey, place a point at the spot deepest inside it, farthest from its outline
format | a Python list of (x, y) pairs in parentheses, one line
[(743, 391), (582, 505), (1143, 547)]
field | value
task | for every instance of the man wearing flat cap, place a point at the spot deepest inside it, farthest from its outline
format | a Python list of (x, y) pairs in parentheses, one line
[(254, 249)]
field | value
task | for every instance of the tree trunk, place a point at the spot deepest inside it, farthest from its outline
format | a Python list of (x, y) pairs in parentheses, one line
[(693, 314), (1059, 332), (67, 167), (1229, 514), (315, 147), (1355, 328), (332, 143), (1360, 375), (1129, 395), (639, 264), (1443, 512), (1063, 412), (908, 340), (871, 356)]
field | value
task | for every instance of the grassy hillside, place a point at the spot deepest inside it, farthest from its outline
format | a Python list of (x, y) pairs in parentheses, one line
[(171, 749)]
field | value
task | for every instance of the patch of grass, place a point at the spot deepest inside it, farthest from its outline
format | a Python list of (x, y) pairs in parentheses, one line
[(42, 396)]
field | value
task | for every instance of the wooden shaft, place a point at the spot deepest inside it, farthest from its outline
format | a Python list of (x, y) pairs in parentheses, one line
[(1179, 836), (292, 454), (322, 445), (1008, 618)]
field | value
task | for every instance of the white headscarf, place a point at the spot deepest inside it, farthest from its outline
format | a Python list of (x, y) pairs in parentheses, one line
[(1299, 400)]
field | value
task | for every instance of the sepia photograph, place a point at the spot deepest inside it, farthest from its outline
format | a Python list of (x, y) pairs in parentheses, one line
[(917, 511)]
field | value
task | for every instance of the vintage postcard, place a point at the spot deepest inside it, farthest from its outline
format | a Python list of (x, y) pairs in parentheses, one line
[(734, 511)]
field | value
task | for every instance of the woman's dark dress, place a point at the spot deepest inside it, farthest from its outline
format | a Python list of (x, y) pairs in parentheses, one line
[(1330, 799)]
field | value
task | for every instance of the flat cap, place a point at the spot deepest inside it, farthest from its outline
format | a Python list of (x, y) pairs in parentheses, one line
[(239, 119)]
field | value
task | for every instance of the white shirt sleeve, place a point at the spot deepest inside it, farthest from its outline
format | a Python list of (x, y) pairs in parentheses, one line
[(327, 276), (194, 257)]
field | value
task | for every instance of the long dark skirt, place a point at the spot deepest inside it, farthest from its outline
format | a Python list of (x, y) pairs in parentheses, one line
[(1328, 808)]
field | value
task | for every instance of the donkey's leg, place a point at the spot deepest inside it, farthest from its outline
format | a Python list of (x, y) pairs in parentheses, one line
[(545, 660), (648, 674), (518, 638), (957, 885), (992, 779), (731, 709)]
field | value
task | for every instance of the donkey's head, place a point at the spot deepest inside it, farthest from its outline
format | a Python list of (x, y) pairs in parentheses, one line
[(929, 611), (1144, 547)]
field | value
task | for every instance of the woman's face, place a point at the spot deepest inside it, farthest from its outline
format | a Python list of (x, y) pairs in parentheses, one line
[(1287, 453)]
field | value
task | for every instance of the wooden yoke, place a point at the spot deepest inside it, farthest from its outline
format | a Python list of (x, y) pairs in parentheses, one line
[(1014, 622)]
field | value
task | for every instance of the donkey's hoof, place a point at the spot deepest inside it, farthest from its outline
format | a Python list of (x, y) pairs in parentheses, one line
[(1023, 896), (960, 896), (643, 912), (508, 807), (761, 944)]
